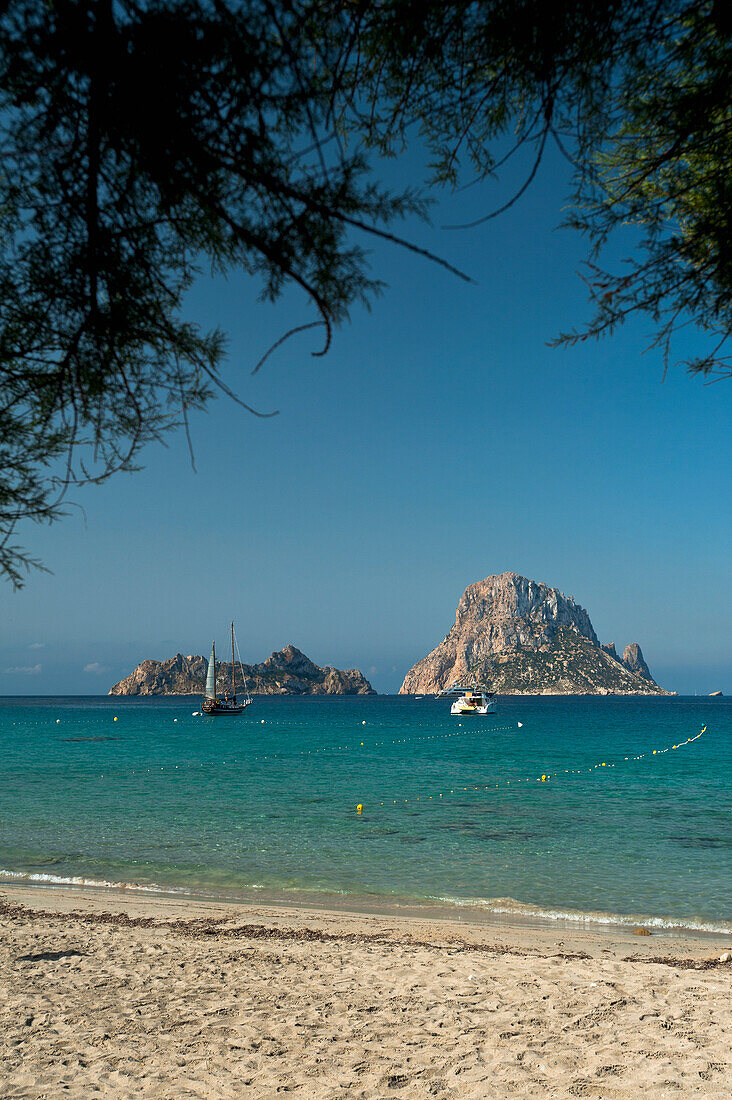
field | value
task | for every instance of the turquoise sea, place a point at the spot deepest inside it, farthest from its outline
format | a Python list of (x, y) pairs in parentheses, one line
[(454, 810)]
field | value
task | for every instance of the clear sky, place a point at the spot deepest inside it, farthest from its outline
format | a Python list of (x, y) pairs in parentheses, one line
[(440, 441)]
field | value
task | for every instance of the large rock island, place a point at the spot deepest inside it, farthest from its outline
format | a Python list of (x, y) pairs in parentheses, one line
[(285, 672), (523, 638)]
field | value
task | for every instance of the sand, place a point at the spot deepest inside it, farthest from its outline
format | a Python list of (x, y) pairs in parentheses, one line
[(119, 995)]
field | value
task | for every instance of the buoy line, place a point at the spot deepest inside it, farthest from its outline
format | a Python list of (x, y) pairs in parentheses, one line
[(144, 770), (532, 779)]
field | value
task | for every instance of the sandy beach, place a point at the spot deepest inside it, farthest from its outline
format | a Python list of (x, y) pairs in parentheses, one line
[(124, 995)]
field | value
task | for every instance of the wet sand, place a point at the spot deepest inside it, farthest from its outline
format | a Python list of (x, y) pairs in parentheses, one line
[(122, 995)]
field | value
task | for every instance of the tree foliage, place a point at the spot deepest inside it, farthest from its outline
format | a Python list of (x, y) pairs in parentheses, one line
[(139, 142), (667, 171), (636, 95), (143, 140)]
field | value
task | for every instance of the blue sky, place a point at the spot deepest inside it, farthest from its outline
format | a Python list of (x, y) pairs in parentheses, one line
[(440, 441)]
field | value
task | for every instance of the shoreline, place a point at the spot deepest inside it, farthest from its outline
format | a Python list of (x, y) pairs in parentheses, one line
[(491, 913), (127, 996)]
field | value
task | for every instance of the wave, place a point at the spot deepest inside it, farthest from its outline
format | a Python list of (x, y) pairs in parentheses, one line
[(513, 908), (75, 880), (43, 878)]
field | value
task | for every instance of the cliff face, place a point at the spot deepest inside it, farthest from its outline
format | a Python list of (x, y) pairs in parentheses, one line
[(633, 659), (524, 638), (285, 672)]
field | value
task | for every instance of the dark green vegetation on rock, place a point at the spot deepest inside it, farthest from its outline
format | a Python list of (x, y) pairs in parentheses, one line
[(572, 664), (285, 672)]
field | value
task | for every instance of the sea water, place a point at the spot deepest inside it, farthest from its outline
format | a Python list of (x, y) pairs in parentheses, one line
[(144, 793)]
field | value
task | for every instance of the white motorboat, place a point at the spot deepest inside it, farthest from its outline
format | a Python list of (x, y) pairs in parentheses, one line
[(472, 699)]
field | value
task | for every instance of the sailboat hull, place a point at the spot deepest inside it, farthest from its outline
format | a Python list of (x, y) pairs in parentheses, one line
[(217, 709)]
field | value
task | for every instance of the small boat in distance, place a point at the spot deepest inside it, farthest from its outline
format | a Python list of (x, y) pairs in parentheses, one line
[(215, 704), (473, 699)]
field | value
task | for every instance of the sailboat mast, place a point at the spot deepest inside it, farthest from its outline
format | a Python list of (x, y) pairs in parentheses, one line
[(233, 676)]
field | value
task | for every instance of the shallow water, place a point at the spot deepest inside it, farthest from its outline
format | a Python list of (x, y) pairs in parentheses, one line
[(453, 809)]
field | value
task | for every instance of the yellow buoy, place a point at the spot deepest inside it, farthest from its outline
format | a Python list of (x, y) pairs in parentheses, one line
[(359, 808), (115, 717)]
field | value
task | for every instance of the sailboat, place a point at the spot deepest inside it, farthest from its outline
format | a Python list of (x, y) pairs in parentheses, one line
[(213, 703)]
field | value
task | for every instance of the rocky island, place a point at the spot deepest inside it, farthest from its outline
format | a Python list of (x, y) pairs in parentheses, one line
[(286, 672), (522, 637)]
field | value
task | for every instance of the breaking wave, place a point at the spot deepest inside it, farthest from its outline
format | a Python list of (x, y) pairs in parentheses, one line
[(37, 878), (518, 909)]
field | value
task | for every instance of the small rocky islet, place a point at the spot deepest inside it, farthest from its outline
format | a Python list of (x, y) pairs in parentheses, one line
[(286, 672)]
